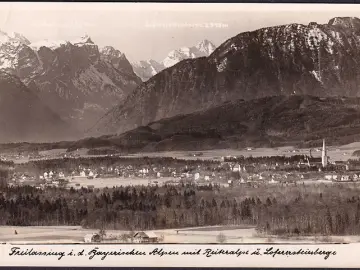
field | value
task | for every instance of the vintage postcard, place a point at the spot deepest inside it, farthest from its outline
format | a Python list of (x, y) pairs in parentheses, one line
[(156, 134)]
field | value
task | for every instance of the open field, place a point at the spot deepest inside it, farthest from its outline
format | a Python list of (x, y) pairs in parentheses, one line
[(115, 181), (198, 235), (341, 153), (338, 153), (46, 234)]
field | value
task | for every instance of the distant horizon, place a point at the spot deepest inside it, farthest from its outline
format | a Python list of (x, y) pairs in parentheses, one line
[(146, 31)]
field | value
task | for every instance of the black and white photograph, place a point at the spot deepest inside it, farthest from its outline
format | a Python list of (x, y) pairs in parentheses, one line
[(158, 123)]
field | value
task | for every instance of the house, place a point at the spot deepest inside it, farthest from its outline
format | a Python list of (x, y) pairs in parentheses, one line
[(92, 238), (91, 175), (153, 183), (331, 177), (236, 168), (356, 177), (272, 181), (172, 183), (202, 184), (145, 237)]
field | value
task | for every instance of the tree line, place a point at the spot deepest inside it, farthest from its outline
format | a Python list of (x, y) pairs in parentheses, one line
[(302, 212), (272, 159)]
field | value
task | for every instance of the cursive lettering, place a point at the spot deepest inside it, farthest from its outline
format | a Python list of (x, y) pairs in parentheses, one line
[(16, 251)]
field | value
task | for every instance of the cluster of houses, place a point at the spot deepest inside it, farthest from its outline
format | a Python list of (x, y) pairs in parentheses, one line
[(138, 237), (346, 177), (229, 172), (145, 172), (19, 179)]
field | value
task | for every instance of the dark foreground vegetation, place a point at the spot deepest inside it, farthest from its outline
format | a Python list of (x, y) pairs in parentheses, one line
[(292, 210)]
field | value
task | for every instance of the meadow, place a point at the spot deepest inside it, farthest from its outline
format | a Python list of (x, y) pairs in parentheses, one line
[(78, 182)]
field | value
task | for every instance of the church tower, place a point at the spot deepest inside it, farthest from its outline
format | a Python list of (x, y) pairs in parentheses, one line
[(324, 155)]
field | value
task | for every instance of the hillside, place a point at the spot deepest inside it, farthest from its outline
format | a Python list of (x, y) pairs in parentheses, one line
[(24, 117), (270, 121), (315, 59)]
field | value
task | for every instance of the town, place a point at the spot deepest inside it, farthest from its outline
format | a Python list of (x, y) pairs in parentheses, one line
[(116, 198), (230, 171)]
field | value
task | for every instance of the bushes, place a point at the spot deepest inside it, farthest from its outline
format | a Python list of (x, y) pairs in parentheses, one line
[(221, 238)]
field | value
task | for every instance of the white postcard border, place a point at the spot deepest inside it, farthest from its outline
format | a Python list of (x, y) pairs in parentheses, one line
[(340, 255)]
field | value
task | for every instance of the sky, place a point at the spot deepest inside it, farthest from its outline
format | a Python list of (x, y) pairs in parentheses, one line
[(150, 30)]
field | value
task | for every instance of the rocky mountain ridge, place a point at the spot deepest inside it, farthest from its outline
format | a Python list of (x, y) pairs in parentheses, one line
[(295, 59), (74, 78)]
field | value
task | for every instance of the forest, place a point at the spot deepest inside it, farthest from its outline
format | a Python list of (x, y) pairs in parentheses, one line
[(271, 159), (293, 210), (107, 161)]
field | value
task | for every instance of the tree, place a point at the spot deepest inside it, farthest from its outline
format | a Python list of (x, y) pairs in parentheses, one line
[(4, 174), (124, 237), (221, 238), (102, 233), (357, 214), (132, 234), (268, 202), (161, 238), (329, 221)]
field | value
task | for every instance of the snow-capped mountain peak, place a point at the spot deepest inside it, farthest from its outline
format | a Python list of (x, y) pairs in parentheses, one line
[(10, 46), (85, 39), (54, 44), (111, 51), (206, 47), (51, 44), (146, 68), (13, 38), (74, 79), (149, 68), (203, 48)]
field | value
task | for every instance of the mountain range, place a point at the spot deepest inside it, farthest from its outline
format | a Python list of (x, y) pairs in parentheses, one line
[(146, 69), (295, 59), (76, 79), (288, 83), (265, 122)]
